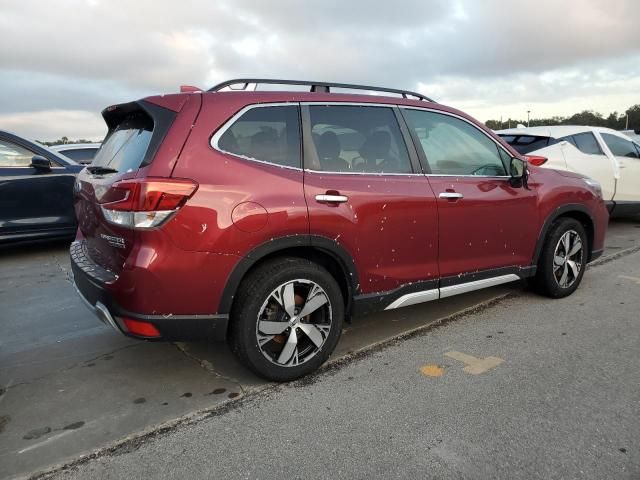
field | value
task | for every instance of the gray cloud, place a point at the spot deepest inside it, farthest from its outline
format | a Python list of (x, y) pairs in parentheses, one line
[(81, 55)]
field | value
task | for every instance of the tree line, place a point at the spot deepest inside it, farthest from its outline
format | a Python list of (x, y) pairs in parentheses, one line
[(615, 120), (64, 141)]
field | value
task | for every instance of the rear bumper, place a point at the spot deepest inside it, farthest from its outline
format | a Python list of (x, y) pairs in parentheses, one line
[(95, 286)]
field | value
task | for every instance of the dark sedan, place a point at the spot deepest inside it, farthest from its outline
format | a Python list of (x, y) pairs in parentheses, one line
[(36, 192)]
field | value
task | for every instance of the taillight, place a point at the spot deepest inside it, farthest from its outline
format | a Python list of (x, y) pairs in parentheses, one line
[(536, 160), (145, 203)]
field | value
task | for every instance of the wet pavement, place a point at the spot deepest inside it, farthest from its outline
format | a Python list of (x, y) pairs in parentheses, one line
[(70, 385)]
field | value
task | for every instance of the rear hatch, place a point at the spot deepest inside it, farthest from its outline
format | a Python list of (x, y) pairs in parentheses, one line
[(136, 131)]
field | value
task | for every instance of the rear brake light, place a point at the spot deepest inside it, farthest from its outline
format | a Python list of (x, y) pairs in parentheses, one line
[(142, 329), (536, 160), (145, 203)]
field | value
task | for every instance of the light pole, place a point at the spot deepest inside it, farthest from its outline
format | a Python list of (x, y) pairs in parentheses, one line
[(528, 112)]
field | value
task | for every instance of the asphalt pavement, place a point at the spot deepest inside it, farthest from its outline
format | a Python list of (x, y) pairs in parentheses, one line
[(69, 386), (528, 388)]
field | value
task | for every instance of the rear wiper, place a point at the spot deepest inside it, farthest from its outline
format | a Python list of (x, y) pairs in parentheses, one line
[(101, 170)]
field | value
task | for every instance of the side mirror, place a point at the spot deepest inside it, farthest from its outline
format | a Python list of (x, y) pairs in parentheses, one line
[(518, 172), (40, 163)]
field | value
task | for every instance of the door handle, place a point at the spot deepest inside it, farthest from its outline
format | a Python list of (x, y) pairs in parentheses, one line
[(451, 195), (326, 198)]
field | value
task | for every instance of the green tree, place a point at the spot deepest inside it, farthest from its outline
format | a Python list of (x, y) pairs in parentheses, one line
[(588, 117)]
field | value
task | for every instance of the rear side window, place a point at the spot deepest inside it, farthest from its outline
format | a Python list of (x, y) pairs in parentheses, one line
[(267, 134), (125, 147), (80, 155), (527, 143), (619, 146), (585, 142), (12, 155), (453, 146), (356, 139)]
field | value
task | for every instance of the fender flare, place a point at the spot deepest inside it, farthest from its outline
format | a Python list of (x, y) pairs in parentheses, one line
[(313, 242), (552, 217)]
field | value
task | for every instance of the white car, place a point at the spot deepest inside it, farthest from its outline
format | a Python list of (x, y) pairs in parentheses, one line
[(601, 153), (82, 153)]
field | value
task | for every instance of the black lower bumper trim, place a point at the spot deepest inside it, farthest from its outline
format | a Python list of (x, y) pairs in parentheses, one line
[(171, 327)]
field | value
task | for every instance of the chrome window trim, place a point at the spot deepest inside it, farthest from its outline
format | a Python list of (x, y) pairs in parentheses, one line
[(466, 176), (221, 131), (433, 110), (215, 138), (378, 174)]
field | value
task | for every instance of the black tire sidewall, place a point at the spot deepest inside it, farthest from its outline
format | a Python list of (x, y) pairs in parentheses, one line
[(252, 294), (545, 279)]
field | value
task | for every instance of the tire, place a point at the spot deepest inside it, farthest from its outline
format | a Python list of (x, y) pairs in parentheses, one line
[(267, 338), (553, 264)]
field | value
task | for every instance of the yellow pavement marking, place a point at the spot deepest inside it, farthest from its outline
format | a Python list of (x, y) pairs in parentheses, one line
[(432, 370), (475, 366), (634, 279)]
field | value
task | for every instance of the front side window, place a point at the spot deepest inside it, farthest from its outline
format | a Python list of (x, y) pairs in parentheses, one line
[(356, 139), (268, 134), (619, 146), (453, 146), (12, 155), (585, 142)]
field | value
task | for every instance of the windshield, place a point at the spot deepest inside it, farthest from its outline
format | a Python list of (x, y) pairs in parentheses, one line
[(125, 146)]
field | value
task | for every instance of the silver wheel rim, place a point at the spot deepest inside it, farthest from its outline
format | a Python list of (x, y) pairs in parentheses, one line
[(294, 323), (567, 259)]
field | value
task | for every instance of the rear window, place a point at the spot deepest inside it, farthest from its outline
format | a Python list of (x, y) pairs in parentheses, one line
[(125, 146), (80, 155), (527, 143), (268, 134)]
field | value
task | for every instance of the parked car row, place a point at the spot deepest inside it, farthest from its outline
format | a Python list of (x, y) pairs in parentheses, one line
[(267, 218), (608, 156), (36, 200)]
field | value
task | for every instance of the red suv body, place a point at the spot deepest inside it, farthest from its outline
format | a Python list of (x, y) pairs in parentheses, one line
[(197, 201)]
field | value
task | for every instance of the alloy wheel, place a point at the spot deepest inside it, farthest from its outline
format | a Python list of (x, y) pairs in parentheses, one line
[(294, 322), (568, 259)]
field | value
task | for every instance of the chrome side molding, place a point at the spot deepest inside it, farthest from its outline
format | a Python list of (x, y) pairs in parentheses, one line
[(436, 293), (413, 298), (477, 285)]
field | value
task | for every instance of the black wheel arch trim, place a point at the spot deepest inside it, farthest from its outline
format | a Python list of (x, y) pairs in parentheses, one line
[(281, 244), (552, 217)]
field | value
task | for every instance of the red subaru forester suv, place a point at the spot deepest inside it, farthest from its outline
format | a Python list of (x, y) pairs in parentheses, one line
[(268, 217)]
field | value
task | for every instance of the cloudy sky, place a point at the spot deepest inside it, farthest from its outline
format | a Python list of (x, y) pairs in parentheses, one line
[(62, 61)]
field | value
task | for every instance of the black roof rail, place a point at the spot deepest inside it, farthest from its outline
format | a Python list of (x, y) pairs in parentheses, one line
[(324, 87)]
